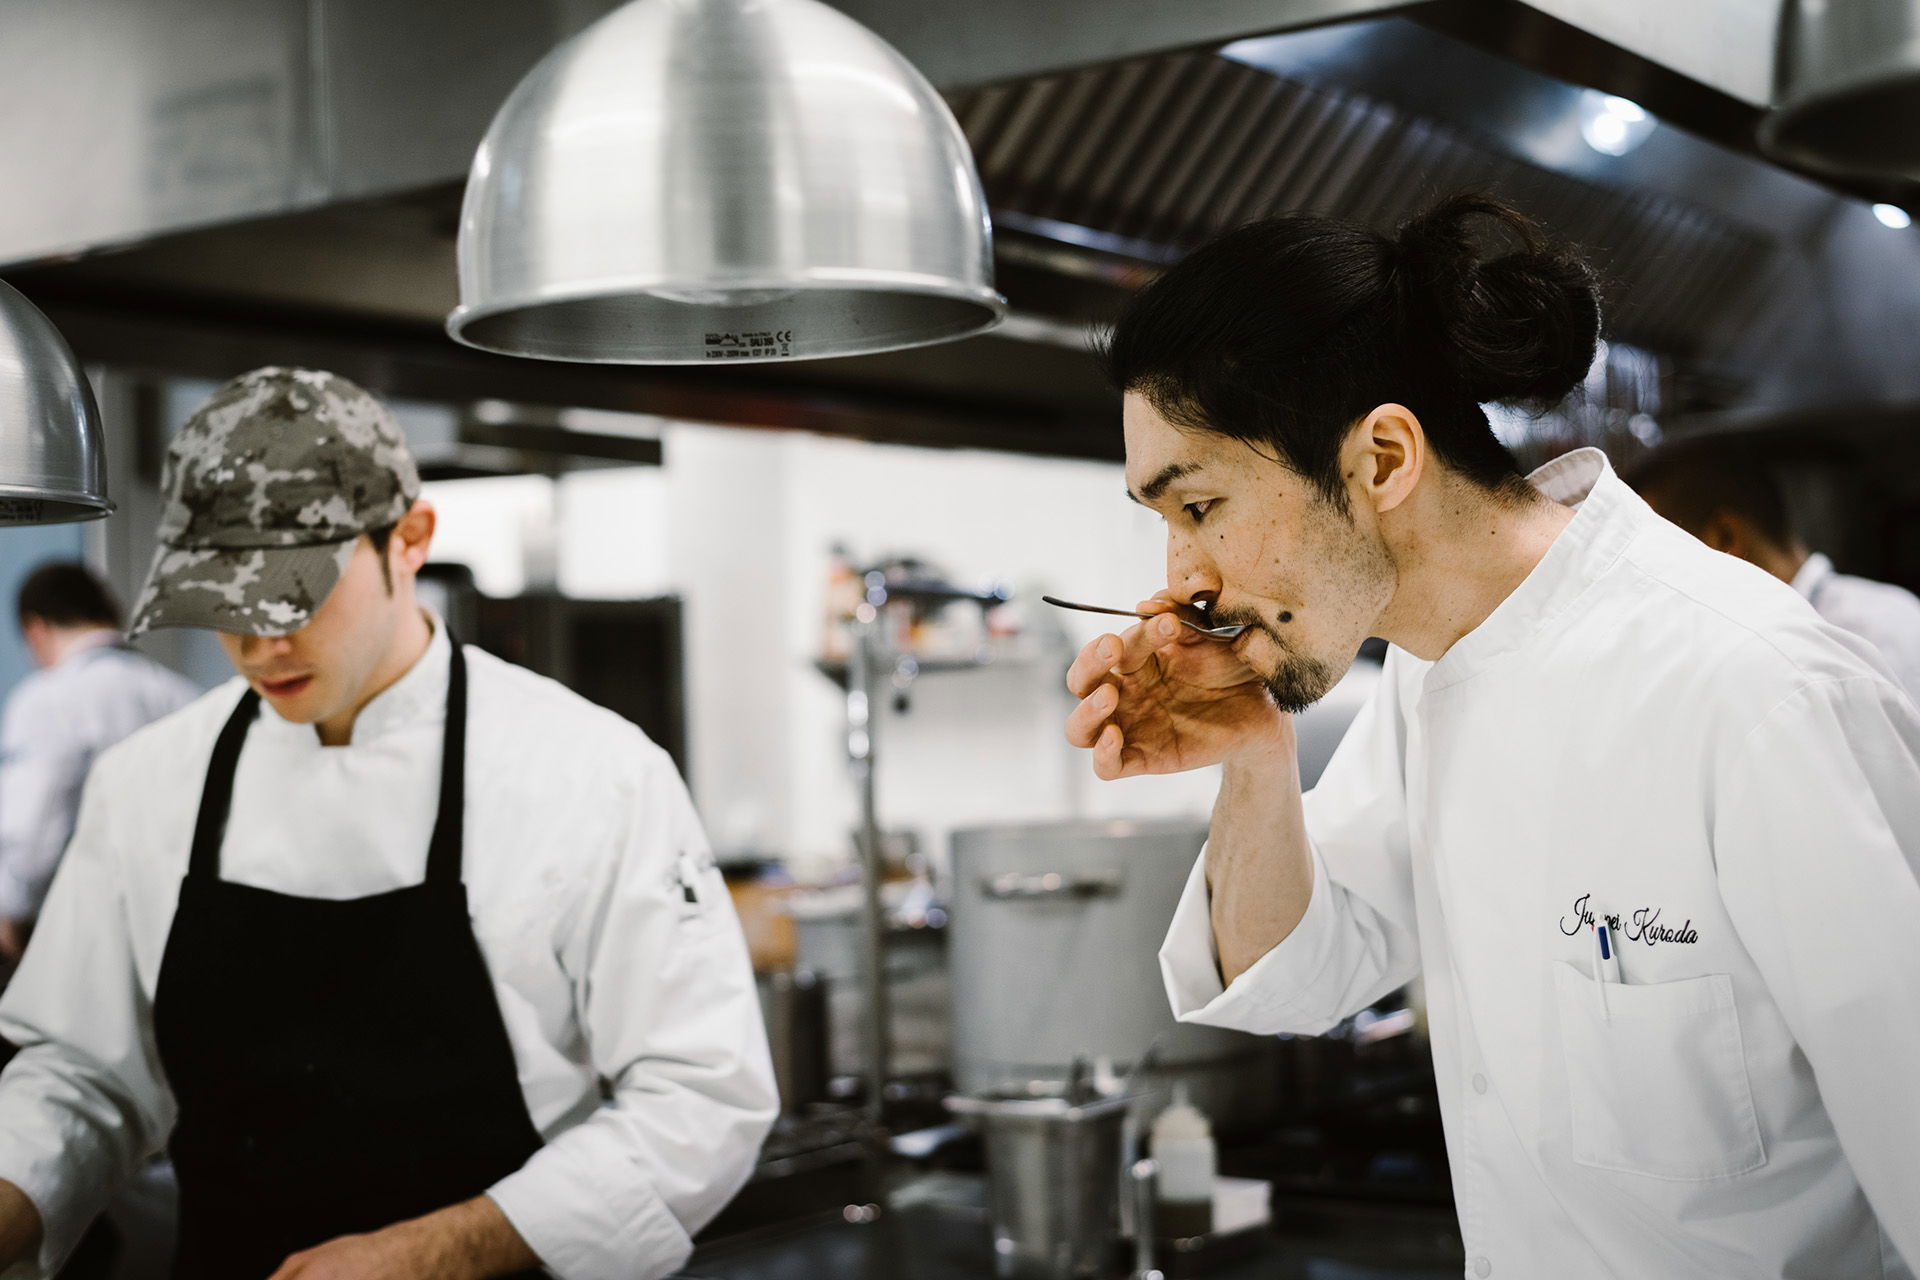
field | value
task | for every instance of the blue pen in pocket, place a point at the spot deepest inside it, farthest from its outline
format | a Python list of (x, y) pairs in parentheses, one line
[(1609, 954)]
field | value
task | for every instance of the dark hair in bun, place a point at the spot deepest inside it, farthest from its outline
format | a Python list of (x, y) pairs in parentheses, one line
[(1286, 332)]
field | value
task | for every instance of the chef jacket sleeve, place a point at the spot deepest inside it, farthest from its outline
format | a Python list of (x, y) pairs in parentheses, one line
[(42, 766), (667, 999), (1357, 940), (83, 1104), (1816, 838)]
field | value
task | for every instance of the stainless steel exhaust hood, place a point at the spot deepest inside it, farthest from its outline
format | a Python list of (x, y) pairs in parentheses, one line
[(269, 170)]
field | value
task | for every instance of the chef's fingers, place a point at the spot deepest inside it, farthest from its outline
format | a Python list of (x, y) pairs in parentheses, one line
[(1086, 720), (1107, 753), (1113, 758), (1139, 644), (1162, 603), (1092, 665)]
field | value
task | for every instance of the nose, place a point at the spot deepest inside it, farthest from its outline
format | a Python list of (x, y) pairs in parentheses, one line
[(255, 649), (1192, 576)]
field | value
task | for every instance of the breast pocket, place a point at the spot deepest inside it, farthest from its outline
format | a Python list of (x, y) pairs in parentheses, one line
[(1657, 1085)]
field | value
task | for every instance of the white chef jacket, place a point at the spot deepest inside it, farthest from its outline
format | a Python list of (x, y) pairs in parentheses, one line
[(56, 722), (1885, 614), (631, 1011), (1648, 730)]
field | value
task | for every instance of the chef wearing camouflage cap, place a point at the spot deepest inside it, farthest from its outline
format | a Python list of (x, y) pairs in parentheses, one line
[(414, 962), (267, 489)]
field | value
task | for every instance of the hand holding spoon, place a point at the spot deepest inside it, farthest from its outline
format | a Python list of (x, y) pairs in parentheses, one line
[(1186, 613)]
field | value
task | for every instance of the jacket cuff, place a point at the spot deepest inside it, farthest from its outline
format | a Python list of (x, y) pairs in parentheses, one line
[(1265, 999), (63, 1221), (588, 1228)]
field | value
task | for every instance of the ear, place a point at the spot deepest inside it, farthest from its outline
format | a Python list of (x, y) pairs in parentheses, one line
[(413, 537), (1384, 457)]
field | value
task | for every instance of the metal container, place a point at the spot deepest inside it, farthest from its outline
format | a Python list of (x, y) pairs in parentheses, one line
[(1848, 89), (698, 181), (1053, 1182), (827, 928), (52, 464), (797, 1034), (1053, 943)]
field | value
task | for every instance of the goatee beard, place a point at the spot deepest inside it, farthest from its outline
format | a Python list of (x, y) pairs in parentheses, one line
[(1299, 683)]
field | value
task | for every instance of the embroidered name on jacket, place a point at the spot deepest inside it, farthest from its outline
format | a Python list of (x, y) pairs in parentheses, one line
[(1643, 926)]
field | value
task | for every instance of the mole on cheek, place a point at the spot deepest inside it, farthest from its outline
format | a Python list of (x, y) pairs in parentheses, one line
[(1286, 615)]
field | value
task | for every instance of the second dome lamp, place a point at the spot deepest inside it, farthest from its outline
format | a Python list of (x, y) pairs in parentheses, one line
[(723, 181)]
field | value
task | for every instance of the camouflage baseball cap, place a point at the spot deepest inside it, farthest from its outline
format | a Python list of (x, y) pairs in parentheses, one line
[(267, 487)]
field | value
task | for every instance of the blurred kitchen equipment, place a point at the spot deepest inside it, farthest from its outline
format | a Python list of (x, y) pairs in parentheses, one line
[(52, 461), (694, 181), (1192, 617), (1142, 1176), (1053, 1181), (1847, 89), (830, 941), (1184, 1153), (1054, 931), (797, 1035), (874, 667)]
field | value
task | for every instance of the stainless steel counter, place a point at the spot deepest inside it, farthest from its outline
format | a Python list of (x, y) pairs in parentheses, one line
[(938, 1235)]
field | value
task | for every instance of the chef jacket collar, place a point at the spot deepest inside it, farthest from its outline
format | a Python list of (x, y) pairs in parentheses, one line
[(418, 697), (1812, 575), (1606, 513), (92, 642)]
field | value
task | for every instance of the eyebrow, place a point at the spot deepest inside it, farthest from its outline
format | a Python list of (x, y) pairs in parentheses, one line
[(1152, 489)]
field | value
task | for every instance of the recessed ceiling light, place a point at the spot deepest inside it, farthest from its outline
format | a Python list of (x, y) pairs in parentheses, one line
[(1613, 125)]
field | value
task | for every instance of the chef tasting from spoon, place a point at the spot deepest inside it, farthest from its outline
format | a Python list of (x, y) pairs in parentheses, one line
[(1647, 826)]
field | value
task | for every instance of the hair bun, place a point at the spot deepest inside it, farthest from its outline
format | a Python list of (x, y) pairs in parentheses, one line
[(1521, 327)]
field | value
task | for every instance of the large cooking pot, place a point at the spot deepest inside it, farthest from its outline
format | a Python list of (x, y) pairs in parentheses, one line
[(1053, 944)]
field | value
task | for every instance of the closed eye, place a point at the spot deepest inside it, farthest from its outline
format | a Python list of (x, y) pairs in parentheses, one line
[(1197, 511)]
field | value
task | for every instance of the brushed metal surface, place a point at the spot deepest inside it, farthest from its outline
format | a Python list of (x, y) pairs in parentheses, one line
[(723, 181), (1848, 93), (52, 469), (1040, 981)]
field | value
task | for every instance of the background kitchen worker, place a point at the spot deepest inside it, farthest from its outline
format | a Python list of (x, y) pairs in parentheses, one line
[(90, 691), (1724, 493), (420, 969), (1587, 718)]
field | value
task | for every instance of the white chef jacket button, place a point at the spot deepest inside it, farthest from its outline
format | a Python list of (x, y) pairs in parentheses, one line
[(1480, 1086), (1482, 1268)]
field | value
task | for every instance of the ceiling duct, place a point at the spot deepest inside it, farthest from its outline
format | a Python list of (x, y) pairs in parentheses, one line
[(1151, 156)]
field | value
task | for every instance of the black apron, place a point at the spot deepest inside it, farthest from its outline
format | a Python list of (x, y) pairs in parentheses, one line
[(339, 1065)]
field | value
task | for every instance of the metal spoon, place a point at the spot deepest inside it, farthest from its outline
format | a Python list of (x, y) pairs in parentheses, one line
[(1185, 612)]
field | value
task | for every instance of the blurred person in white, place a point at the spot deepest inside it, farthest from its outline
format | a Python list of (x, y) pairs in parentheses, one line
[(90, 691), (1724, 492), (1588, 724)]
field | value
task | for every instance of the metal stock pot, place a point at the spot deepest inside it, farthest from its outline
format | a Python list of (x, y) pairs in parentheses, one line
[(1052, 944)]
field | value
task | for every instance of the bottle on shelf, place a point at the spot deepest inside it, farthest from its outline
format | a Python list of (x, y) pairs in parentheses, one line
[(1183, 1148)]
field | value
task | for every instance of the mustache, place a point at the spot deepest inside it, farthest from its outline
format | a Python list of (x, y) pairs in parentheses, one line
[(1243, 615)]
